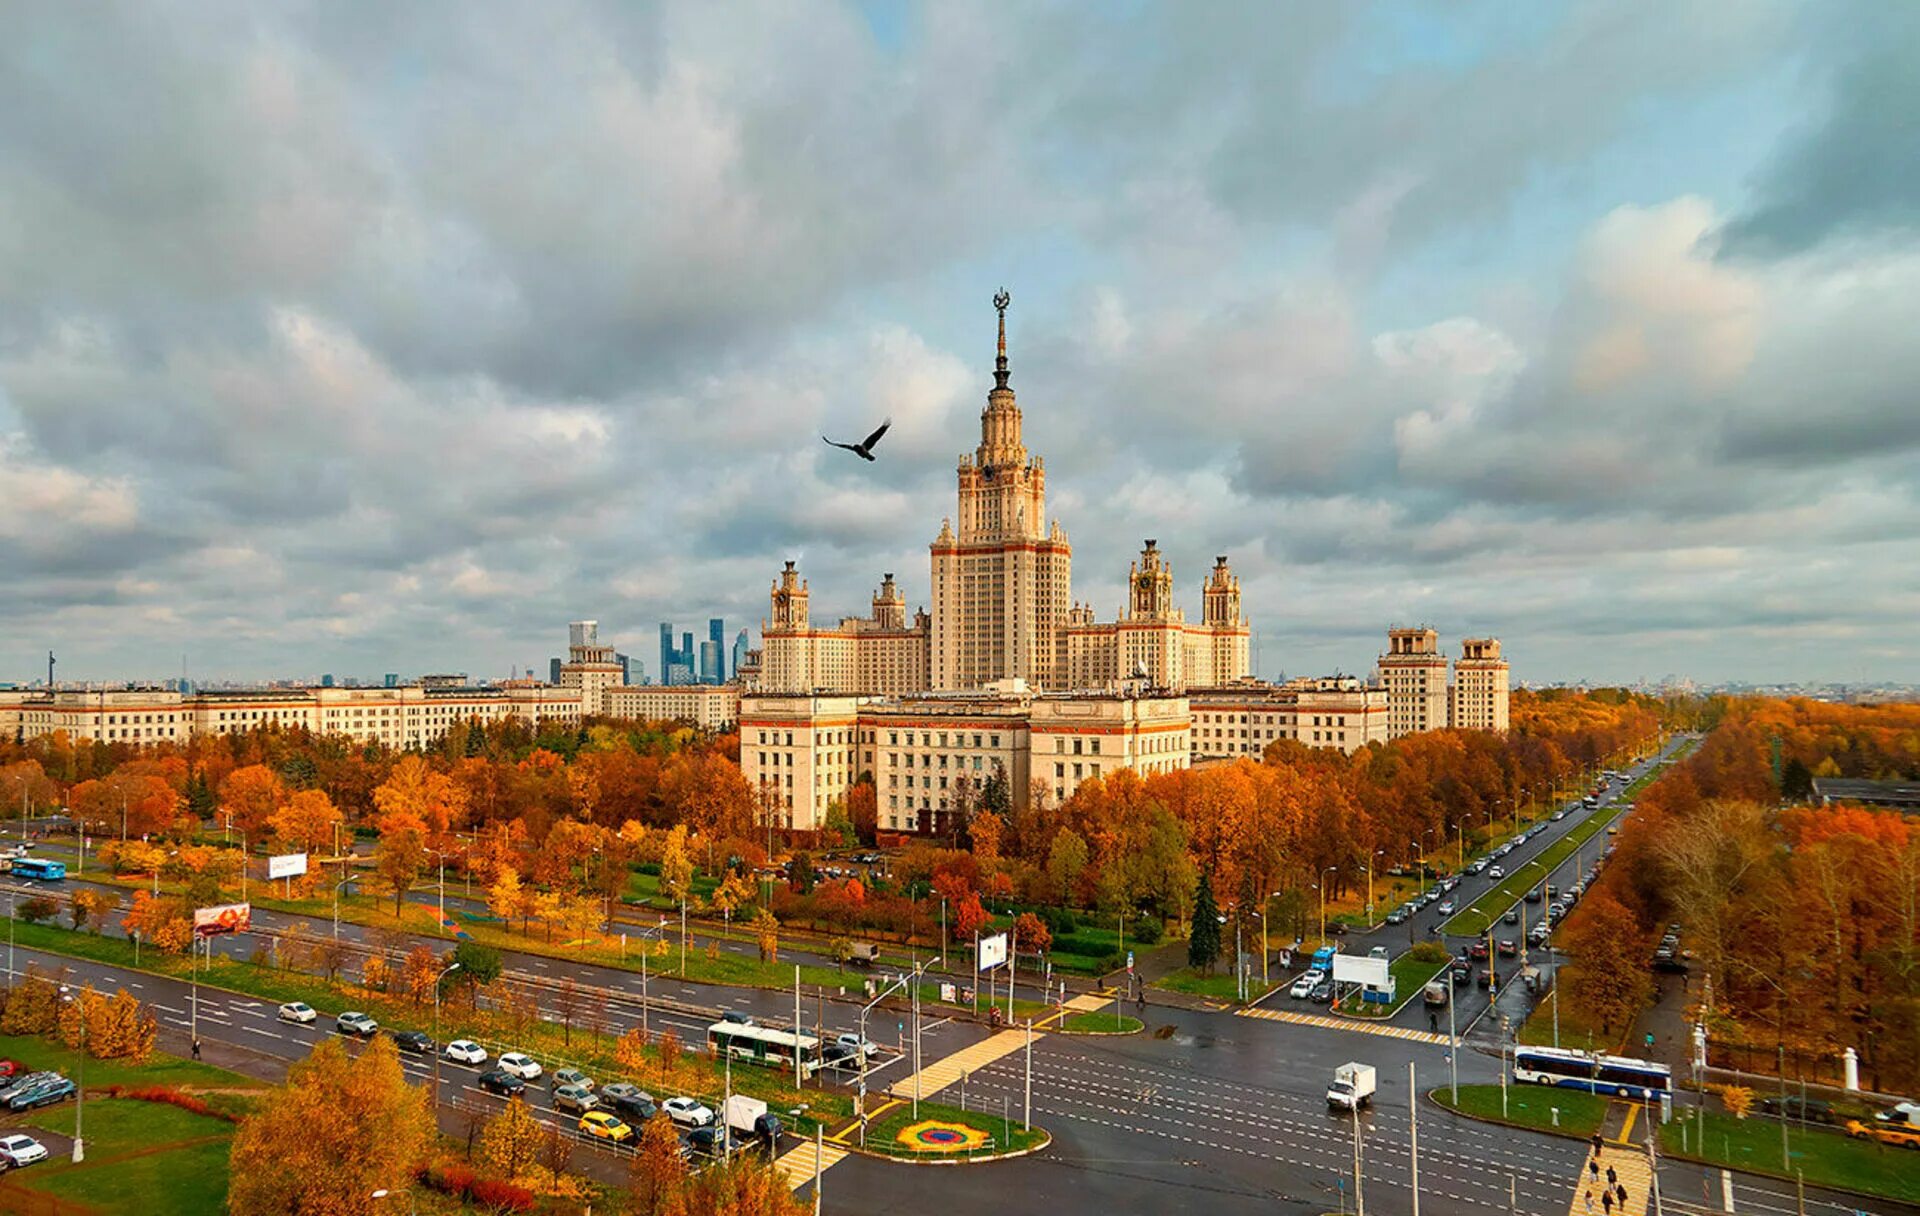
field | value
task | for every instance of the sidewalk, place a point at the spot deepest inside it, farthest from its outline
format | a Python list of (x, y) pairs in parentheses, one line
[(1628, 1163)]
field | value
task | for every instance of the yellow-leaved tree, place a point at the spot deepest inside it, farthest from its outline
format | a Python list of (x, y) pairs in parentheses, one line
[(340, 1129), (511, 1141)]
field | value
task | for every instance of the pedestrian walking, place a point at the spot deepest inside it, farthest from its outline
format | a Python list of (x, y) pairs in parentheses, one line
[(1621, 1191), (1606, 1202), (1613, 1179), (1596, 1144), (196, 1049), (1589, 1199), (1593, 1168), (1433, 1022)]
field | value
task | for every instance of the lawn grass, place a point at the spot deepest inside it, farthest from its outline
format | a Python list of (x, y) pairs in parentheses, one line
[(122, 1173), (1824, 1156), (1008, 1137), (1410, 975), (1220, 986), (160, 1069), (1099, 1023), (1530, 1106)]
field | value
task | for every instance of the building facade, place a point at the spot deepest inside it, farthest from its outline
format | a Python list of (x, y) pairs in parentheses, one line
[(1414, 673), (883, 654), (400, 717), (1477, 698), (1151, 640), (1243, 718), (932, 754), (590, 667), (709, 707)]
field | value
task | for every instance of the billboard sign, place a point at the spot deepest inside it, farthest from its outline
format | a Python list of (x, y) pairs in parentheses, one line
[(287, 865), (993, 952), (1358, 969), (225, 918)]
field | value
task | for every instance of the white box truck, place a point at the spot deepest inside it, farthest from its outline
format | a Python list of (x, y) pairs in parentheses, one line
[(1352, 1086), (747, 1120)]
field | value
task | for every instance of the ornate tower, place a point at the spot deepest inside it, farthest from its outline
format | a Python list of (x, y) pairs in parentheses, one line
[(1220, 595), (1150, 586), (889, 606), (1002, 577), (789, 601)]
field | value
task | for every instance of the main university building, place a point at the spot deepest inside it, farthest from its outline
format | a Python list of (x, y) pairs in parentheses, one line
[(1006, 673)]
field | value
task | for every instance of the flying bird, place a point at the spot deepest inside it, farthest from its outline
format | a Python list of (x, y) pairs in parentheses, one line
[(863, 449)]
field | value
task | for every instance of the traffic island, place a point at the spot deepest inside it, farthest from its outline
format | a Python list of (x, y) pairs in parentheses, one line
[(1097, 1023), (1564, 1112), (939, 1134)]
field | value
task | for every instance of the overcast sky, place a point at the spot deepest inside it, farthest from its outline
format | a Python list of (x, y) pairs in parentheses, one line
[(366, 338)]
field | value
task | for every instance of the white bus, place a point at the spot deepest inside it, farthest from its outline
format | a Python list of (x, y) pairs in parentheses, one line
[(1595, 1073), (764, 1045)]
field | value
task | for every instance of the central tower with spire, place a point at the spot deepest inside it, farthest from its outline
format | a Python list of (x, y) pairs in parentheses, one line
[(1002, 581)]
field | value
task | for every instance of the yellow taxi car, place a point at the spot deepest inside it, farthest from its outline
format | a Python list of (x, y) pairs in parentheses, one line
[(1901, 1135), (601, 1125)]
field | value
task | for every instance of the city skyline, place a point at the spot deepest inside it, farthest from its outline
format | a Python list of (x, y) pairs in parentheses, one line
[(1310, 294)]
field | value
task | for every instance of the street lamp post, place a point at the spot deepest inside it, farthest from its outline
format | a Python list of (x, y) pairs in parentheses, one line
[(79, 1090), (1370, 921), (336, 902), (437, 1053)]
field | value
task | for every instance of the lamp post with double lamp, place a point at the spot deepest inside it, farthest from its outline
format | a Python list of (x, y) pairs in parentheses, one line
[(384, 1193), (437, 1053), (336, 901), (1323, 901), (1371, 922), (80, 1087)]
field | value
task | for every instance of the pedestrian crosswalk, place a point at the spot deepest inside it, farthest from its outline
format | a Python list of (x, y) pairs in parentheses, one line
[(942, 1073), (798, 1165), (1597, 1193), (1327, 1022)]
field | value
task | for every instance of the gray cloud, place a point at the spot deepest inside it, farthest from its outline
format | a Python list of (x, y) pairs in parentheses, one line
[(394, 339)]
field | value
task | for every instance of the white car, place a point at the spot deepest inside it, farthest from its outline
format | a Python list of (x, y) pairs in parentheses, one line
[(688, 1112), (1303, 986), (854, 1045), (21, 1150), (1446, 907), (1496, 872), (298, 1011), (516, 1064), (466, 1051)]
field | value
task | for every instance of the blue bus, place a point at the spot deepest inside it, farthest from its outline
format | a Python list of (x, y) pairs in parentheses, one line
[(36, 867), (1617, 1076)]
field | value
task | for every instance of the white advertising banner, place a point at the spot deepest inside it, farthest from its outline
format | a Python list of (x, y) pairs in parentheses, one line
[(287, 865), (1359, 969), (993, 952)]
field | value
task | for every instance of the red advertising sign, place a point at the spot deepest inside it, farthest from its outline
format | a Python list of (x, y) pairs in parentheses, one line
[(225, 918)]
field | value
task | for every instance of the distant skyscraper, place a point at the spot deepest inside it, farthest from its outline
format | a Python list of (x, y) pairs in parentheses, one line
[(717, 634), (689, 654), (326, 681), (626, 669), (553, 672), (739, 652), (666, 652), (393, 679), (583, 633), (712, 661)]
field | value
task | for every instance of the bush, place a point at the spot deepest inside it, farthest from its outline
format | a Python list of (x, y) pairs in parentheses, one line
[(498, 1195), (1429, 952), (1061, 921), (1149, 931), (171, 1097), (37, 909)]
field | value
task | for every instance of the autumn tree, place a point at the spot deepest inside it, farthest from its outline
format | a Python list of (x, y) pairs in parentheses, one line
[(306, 822), (401, 854), (1609, 977), (969, 916), (503, 897), (416, 789), (676, 864), (743, 1185), (91, 907), (33, 1004), (164, 922), (510, 1144), (340, 1129), (252, 795), (657, 1175), (767, 930), (630, 1052), (1032, 933)]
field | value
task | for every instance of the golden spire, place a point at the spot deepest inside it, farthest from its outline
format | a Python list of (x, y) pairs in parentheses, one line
[(1000, 301)]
